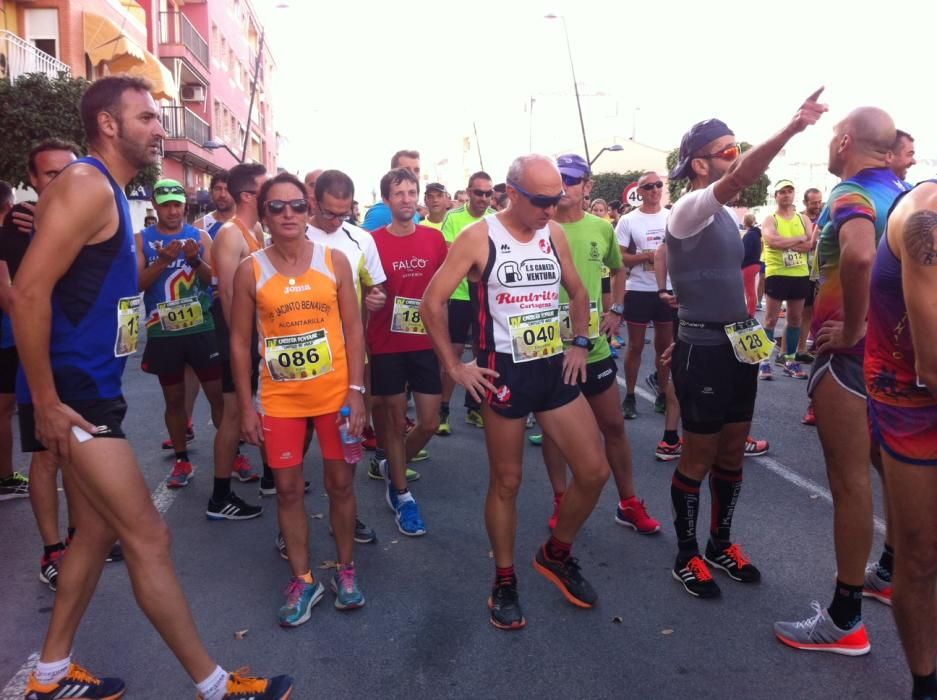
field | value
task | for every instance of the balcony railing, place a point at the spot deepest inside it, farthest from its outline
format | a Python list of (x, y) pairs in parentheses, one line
[(175, 28), (21, 57), (183, 123)]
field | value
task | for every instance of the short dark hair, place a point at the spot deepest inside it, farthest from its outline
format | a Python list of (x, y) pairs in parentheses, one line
[(478, 175), (104, 95), (395, 159), (809, 191), (899, 134), (241, 178), (50, 145), (614, 204), (221, 176), (335, 183), (395, 177), (278, 179), (6, 193)]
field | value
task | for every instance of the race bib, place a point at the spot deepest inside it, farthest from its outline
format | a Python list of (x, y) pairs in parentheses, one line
[(793, 259), (180, 314), (293, 358), (749, 341), (535, 335), (128, 325), (648, 266), (407, 317), (566, 324)]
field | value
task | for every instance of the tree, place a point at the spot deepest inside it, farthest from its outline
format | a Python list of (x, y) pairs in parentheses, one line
[(754, 195), (609, 186)]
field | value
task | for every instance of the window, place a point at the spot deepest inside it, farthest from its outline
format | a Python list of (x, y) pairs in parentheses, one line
[(42, 30)]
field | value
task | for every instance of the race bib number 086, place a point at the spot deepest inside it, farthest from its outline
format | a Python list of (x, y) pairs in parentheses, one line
[(291, 358), (749, 341), (535, 335)]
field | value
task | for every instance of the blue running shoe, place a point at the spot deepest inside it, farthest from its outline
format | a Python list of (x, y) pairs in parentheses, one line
[(409, 521), (390, 491), (301, 597), (345, 586)]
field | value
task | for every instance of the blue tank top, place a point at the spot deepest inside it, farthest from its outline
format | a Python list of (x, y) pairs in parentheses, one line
[(93, 309)]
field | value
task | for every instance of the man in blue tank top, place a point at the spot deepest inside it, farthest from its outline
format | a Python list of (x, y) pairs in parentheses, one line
[(76, 314)]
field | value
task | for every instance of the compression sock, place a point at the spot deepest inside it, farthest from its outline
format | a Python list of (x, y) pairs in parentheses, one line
[(886, 564), (925, 687), (684, 497), (770, 333), (846, 608), (268, 473), (792, 338), (671, 437), (504, 575), (724, 487)]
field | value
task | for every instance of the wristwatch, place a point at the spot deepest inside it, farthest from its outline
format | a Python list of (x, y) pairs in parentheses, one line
[(662, 291), (357, 387), (581, 341), (618, 309)]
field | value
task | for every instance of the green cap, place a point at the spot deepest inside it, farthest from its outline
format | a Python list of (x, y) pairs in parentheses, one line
[(168, 191)]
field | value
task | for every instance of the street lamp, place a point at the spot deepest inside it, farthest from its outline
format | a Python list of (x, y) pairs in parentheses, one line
[(212, 145), (615, 147), (572, 68)]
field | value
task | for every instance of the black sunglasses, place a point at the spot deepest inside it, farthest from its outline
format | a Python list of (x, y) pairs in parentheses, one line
[(169, 189), (571, 181), (651, 185), (276, 206), (483, 193), (541, 201)]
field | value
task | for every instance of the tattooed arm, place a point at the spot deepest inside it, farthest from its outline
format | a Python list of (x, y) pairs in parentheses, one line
[(918, 253)]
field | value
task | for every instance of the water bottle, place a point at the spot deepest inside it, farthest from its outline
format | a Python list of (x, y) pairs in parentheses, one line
[(351, 445)]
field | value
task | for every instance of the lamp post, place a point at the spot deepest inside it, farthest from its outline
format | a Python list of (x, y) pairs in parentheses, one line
[(213, 144), (572, 68), (615, 147)]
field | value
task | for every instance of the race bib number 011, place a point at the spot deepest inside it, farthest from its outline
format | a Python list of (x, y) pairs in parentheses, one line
[(407, 317), (566, 324), (535, 335), (180, 314), (292, 358), (793, 259), (128, 325), (749, 342)]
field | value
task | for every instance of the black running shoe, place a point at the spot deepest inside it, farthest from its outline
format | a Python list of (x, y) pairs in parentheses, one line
[(505, 608), (49, 568), (696, 579), (363, 533), (231, 508), (733, 561), (77, 683), (630, 407), (565, 575), (116, 553)]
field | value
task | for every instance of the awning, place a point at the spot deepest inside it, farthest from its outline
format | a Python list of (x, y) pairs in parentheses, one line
[(164, 85), (106, 42)]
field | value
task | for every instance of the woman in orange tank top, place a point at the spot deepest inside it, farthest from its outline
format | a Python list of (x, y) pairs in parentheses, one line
[(301, 297)]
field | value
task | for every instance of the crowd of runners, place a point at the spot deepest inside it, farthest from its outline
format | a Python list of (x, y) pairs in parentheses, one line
[(297, 323)]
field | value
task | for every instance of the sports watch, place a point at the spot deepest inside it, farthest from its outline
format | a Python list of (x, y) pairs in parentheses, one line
[(357, 387), (581, 341), (618, 309)]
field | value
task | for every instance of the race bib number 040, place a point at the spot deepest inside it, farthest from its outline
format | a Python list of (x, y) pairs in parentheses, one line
[(292, 358), (535, 335), (180, 315), (749, 341), (407, 317), (566, 324), (128, 325)]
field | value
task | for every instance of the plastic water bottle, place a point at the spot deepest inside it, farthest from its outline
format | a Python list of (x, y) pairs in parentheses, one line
[(351, 445)]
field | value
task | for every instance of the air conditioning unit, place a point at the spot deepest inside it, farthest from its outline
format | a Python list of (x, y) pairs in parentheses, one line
[(193, 93)]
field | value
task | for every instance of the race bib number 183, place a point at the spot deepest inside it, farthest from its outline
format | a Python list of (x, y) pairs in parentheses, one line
[(749, 341)]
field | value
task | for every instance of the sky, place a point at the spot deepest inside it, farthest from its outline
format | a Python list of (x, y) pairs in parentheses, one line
[(360, 79)]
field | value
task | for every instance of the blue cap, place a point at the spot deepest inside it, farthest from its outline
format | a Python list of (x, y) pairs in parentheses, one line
[(698, 136), (573, 165), (346, 411)]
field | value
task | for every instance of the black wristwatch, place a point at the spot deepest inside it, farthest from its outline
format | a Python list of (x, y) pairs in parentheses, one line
[(618, 309), (581, 341)]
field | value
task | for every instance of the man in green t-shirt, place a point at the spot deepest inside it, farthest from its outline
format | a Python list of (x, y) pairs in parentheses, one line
[(593, 244), (461, 318)]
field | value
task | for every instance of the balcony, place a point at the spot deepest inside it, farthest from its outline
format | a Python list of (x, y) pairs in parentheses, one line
[(175, 30), (183, 123), (20, 57)]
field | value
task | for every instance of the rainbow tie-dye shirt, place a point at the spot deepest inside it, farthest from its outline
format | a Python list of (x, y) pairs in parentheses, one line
[(869, 194)]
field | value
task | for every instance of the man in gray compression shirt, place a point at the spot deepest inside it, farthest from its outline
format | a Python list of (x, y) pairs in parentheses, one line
[(715, 388)]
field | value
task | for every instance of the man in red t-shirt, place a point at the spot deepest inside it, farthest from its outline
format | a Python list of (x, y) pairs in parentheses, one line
[(401, 352)]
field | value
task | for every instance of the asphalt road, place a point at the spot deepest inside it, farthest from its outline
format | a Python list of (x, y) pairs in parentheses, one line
[(424, 632)]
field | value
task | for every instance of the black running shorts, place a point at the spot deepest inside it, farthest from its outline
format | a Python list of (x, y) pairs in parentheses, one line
[(600, 375), (169, 355), (526, 387), (104, 413), (9, 364), (392, 373), (783, 288), (461, 321), (643, 307)]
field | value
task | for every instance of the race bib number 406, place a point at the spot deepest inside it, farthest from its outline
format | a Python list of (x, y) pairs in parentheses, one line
[(566, 324), (180, 315), (128, 325), (291, 358), (407, 317), (535, 335), (749, 342)]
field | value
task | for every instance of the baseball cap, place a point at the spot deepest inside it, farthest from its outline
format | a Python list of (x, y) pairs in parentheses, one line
[(435, 187), (698, 136), (168, 191), (573, 165), (781, 184)]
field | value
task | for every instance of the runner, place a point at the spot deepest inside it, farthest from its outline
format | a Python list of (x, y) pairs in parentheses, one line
[(310, 182), (301, 296), (224, 205), (813, 205), (901, 378), (401, 353), (593, 246), (901, 156), (639, 235), (788, 237), (76, 308), (462, 325), (519, 259), (436, 200), (379, 214), (851, 225), (715, 358)]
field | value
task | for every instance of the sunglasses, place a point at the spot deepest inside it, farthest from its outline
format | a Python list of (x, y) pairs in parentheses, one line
[(651, 185), (483, 193), (169, 189), (729, 153), (277, 206), (571, 181), (326, 214), (541, 201)]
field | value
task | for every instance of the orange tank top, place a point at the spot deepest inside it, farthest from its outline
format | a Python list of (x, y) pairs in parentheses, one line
[(304, 369), (252, 245)]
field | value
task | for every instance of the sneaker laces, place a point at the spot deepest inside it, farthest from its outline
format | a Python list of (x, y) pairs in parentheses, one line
[(811, 622), (735, 553), (409, 514), (346, 578), (639, 509), (293, 592), (239, 683), (572, 569), (82, 675), (698, 568), (179, 468)]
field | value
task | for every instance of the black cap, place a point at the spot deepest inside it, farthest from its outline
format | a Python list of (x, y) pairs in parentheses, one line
[(698, 136), (435, 186)]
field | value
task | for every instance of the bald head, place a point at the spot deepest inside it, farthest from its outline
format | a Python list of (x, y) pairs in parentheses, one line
[(535, 173), (872, 129), (311, 177), (650, 175)]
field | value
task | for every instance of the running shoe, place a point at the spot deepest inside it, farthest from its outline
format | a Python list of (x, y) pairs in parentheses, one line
[(804, 357), (408, 519), (614, 352), (269, 488), (566, 576), (759, 306), (535, 439), (281, 546), (557, 501), (301, 597), (345, 587), (666, 452), (617, 341), (652, 383), (810, 418), (630, 407), (244, 687), (420, 456), (793, 369), (14, 486), (755, 448), (363, 534), (243, 471), (660, 404), (474, 417), (49, 568), (181, 475), (530, 421), (374, 471), (696, 578), (231, 507), (369, 441), (765, 371), (875, 586), (506, 613), (635, 516), (444, 429), (733, 561), (77, 683), (116, 553), (820, 633), (189, 437)]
